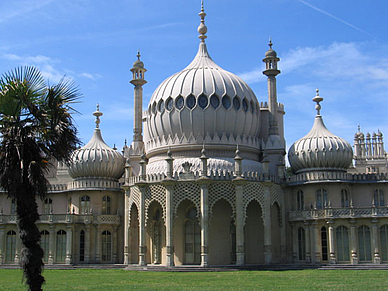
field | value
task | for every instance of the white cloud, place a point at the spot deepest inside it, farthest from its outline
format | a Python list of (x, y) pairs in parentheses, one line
[(12, 9), (90, 76)]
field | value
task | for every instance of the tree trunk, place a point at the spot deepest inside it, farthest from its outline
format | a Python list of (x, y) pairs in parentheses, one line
[(32, 253)]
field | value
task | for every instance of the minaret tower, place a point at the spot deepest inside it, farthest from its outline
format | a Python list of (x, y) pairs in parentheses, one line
[(138, 81), (271, 71)]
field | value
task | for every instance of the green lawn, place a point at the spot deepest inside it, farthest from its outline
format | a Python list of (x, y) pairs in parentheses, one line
[(88, 279)]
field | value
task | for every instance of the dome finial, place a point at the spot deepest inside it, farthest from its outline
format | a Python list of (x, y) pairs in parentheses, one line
[(202, 29), (270, 44), (317, 99), (138, 54), (97, 114)]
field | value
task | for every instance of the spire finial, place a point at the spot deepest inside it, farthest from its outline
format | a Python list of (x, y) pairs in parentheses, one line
[(97, 114), (270, 44), (317, 99), (202, 29), (359, 127), (138, 54)]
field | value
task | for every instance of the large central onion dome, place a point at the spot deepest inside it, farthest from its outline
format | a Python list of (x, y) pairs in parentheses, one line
[(96, 165), (202, 104), (320, 150)]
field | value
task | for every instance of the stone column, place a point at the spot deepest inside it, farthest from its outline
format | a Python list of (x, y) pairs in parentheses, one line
[(332, 258), (308, 242), (69, 243), (142, 232), (240, 221), (204, 184), (126, 227), (353, 242), (115, 243), (375, 242), (98, 243), (87, 244), (51, 245), (283, 233), (169, 223), (2, 249), (317, 258), (267, 225)]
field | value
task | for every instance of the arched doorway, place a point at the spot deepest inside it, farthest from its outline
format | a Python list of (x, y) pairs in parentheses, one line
[(254, 234), (133, 233), (275, 233), (221, 234)]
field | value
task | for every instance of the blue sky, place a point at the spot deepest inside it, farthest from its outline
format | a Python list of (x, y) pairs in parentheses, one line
[(341, 47)]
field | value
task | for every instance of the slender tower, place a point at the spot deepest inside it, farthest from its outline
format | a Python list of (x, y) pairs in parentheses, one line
[(271, 71), (138, 81)]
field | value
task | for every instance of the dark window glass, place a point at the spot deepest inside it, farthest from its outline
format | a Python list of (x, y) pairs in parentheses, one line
[(190, 101), (161, 106), (245, 105), (180, 102), (236, 103), (226, 102), (202, 101), (252, 107), (169, 104), (214, 101)]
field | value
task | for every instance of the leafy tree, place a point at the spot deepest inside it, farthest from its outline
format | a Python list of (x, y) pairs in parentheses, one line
[(36, 127)]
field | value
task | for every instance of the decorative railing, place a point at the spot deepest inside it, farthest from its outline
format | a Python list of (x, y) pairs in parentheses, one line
[(327, 175), (212, 175), (333, 213), (68, 218)]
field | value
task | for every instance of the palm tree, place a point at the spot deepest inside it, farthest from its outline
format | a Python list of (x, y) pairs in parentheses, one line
[(35, 127)]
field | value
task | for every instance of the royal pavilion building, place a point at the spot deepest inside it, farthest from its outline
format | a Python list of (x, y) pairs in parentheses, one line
[(204, 182)]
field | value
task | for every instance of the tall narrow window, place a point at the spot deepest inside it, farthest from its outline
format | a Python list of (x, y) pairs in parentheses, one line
[(384, 242), (324, 243), (321, 198), (378, 197), (192, 238), (82, 246), (301, 244), (13, 206), (342, 239), (299, 200), (61, 246), (45, 244), (106, 205), (157, 237), (85, 204), (364, 244), (106, 246), (344, 198), (11, 246), (48, 204)]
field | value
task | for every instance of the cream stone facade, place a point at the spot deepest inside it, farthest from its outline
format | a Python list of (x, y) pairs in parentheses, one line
[(207, 184)]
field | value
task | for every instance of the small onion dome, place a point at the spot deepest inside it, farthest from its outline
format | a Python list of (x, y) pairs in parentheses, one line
[(270, 52), (96, 159), (320, 150), (138, 63)]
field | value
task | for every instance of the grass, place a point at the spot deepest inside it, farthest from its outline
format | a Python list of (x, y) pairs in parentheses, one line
[(89, 279)]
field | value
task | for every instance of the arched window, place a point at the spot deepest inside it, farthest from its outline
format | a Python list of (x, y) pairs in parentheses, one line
[(301, 244), (45, 243), (192, 237), (384, 242), (342, 239), (106, 205), (13, 206), (378, 197), (344, 198), (106, 246), (48, 206), (82, 246), (321, 198), (60, 256), (324, 243), (11, 246), (299, 200), (364, 244), (85, 204)]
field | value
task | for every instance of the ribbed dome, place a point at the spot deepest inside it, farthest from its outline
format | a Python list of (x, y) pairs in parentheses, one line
[(202, 103), (96, 160), (320, 150)]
